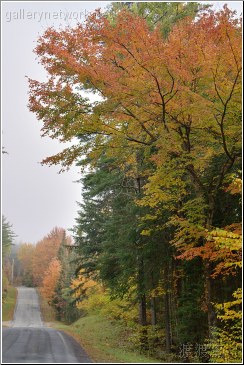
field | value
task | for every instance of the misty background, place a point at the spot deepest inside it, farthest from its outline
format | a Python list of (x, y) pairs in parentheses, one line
[(36, 198)]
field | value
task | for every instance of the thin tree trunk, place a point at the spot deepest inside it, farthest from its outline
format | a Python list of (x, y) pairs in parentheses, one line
[(142, 305), (153, 311), (172, 299), (208, 296), (153, 305), (143, 323), (167, 311), (207, 270), (167, 323), (211, 203), (143, 310)]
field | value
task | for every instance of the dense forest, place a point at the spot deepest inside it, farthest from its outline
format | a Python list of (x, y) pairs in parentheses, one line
[(150, 96)]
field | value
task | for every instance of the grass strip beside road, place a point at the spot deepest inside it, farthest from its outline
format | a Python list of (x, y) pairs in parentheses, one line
[(8, 305), (47, 312), (104, 341)]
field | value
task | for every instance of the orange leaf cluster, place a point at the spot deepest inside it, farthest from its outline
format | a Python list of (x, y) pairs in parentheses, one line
[(50, 279), (148, 87)]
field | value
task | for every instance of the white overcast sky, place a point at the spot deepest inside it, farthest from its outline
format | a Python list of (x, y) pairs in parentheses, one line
[(36, 198)]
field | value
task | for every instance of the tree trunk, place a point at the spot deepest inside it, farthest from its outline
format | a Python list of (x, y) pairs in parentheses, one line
[(153, 304), (153, 312), (208, 296), (167, 311), (142, 305), (207, 269), (142, 310), (167, 323), (211, 203), (143, 323)]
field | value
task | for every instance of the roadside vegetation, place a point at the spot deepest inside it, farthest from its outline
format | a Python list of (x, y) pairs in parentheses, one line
[(48, 313), (8, 305), (9, 293), (153, 267), (105, 340)]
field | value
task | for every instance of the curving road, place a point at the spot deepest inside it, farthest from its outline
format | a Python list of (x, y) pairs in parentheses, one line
[(29, 341)]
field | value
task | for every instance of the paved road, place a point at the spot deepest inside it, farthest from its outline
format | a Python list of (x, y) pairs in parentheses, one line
[(27, 310), (29, 341)]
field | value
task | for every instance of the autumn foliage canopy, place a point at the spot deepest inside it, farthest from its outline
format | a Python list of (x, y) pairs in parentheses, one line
[(164, 111)]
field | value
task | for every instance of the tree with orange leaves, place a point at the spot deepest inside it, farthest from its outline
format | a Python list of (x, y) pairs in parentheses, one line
[(44, 252), (168, 111), (50, 279)]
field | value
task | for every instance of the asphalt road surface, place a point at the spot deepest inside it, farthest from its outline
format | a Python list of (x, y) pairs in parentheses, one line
[(29, 341)]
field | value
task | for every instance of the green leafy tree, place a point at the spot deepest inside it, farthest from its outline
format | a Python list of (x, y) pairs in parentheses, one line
[(164, 14), (168, 117), (7, 237), (63, 300), (7, 241)]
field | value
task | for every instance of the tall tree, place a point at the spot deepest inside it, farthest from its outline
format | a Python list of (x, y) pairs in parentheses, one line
[(168, 114), (164, 14), (25, 255), (45, 251), (50, 279), (8, 236), (7, 240), (62, 299)]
